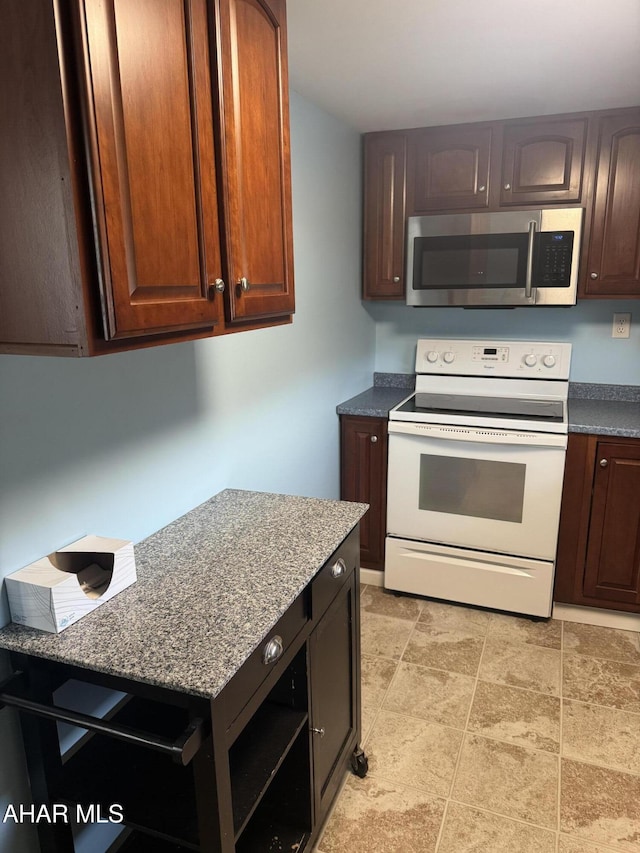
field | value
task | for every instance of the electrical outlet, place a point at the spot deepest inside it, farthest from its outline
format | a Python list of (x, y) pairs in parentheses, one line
[(621, 323)]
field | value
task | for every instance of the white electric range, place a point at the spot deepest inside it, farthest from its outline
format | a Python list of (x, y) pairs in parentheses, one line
[(476, 467)]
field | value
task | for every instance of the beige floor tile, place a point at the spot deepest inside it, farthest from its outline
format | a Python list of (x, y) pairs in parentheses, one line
[(516, 629), (431, 694), (383, 636), (601, 682), (595, 641), (508, 779), (376, 678), (444, 648), (567, 844), (518, 716), (601, 736), (455, 616), (600, 805), (378, 600), (373, 816), (468, 830), (521, 665), (408, 751)]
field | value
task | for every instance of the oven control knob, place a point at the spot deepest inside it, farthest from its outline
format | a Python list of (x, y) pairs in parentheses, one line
[(448, 357), (530, 360), (549, 360), (432, 356)]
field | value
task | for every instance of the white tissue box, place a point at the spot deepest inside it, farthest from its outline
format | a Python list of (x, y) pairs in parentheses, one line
[(57, 590)]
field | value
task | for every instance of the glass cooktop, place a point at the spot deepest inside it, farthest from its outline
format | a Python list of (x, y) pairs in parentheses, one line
[(462, 404)]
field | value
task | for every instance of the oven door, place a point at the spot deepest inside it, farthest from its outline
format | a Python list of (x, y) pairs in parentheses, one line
[(486, 489)]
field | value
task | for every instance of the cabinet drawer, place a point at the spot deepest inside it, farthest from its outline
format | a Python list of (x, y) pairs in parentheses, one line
[(333, 575), (271, 656)]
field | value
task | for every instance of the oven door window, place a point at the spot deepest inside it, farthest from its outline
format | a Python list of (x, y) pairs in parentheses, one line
[(473, 487), (470, 261)]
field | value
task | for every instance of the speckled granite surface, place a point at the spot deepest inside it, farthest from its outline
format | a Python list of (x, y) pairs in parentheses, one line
[(210, 587), (593, 408)]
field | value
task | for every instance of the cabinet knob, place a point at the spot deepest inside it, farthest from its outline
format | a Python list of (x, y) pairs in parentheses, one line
[(318, 732), (244, 285), (218, 285), (374, 438), (272, 650), (507, 186), (594, 275), (396, 278), (604, 463), (338, 568), (481, 188)]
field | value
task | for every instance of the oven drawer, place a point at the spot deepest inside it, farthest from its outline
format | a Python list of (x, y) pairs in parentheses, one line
[(456, 574)]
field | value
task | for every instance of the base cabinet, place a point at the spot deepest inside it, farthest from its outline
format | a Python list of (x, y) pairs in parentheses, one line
[(363, 477), (253, 770), (598, 560)]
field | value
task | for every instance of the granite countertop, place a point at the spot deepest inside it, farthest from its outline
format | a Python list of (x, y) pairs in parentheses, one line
[(593, 407), (210, 587)]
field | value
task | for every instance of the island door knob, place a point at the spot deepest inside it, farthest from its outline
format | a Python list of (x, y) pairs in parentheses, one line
[(396, 278), (604, 463), (482, 188), (594, 275), (507, 186)]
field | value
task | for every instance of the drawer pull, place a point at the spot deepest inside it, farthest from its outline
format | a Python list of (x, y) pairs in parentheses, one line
[(272, 651), (338, 568)]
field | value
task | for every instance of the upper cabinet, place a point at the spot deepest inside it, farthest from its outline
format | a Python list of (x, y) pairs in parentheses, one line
[(148, 197), (613, 263), (543, 162), (385, 163), (449, 168), (586, 159)]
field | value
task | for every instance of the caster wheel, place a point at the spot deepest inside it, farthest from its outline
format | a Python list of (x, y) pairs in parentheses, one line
[(359, 763)]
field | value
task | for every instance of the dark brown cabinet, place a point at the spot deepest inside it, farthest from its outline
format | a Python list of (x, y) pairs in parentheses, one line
[(334, 699), (543, 162), (598, 560), (385, 156), (613, 263), (449, 168), (363, 477), (254, 769), (146, 201)]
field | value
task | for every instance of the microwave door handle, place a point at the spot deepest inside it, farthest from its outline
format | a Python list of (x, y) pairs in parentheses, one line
[(528, 284)]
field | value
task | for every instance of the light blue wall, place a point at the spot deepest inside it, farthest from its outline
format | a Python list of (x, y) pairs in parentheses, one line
[(596, 357), (123, 444)]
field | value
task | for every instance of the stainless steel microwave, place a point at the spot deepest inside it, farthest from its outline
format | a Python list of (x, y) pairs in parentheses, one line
[(522, 257)]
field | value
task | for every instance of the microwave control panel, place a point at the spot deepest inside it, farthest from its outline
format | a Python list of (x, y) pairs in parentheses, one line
[(552, 266)]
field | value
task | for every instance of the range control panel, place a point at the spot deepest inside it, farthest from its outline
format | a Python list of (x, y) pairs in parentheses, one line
[(494, 358)]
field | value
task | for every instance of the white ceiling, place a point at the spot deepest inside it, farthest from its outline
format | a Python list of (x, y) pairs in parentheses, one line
[(412, 63)]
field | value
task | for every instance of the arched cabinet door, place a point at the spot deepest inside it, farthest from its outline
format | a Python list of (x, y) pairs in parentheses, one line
[(449, 168), (255, 156), (543, 162), (149, 127), (613, 266)]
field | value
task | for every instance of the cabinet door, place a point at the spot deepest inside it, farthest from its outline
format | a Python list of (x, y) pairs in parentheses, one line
[(363, 477), (543, 162), (147, 74), (258, 225), (449, 169), (613, 267), (335, 679), (384, 210), (612, 570)]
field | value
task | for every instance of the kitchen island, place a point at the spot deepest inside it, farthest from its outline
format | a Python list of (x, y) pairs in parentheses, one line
[(238, 654)]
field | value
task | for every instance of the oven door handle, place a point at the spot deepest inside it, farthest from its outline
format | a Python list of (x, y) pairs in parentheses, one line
[(477, 436)]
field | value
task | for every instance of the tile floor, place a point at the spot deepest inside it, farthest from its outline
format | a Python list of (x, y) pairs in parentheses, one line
[(489, 733)]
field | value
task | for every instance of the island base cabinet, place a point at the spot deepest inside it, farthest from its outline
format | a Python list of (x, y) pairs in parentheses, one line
[(252, 770)]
